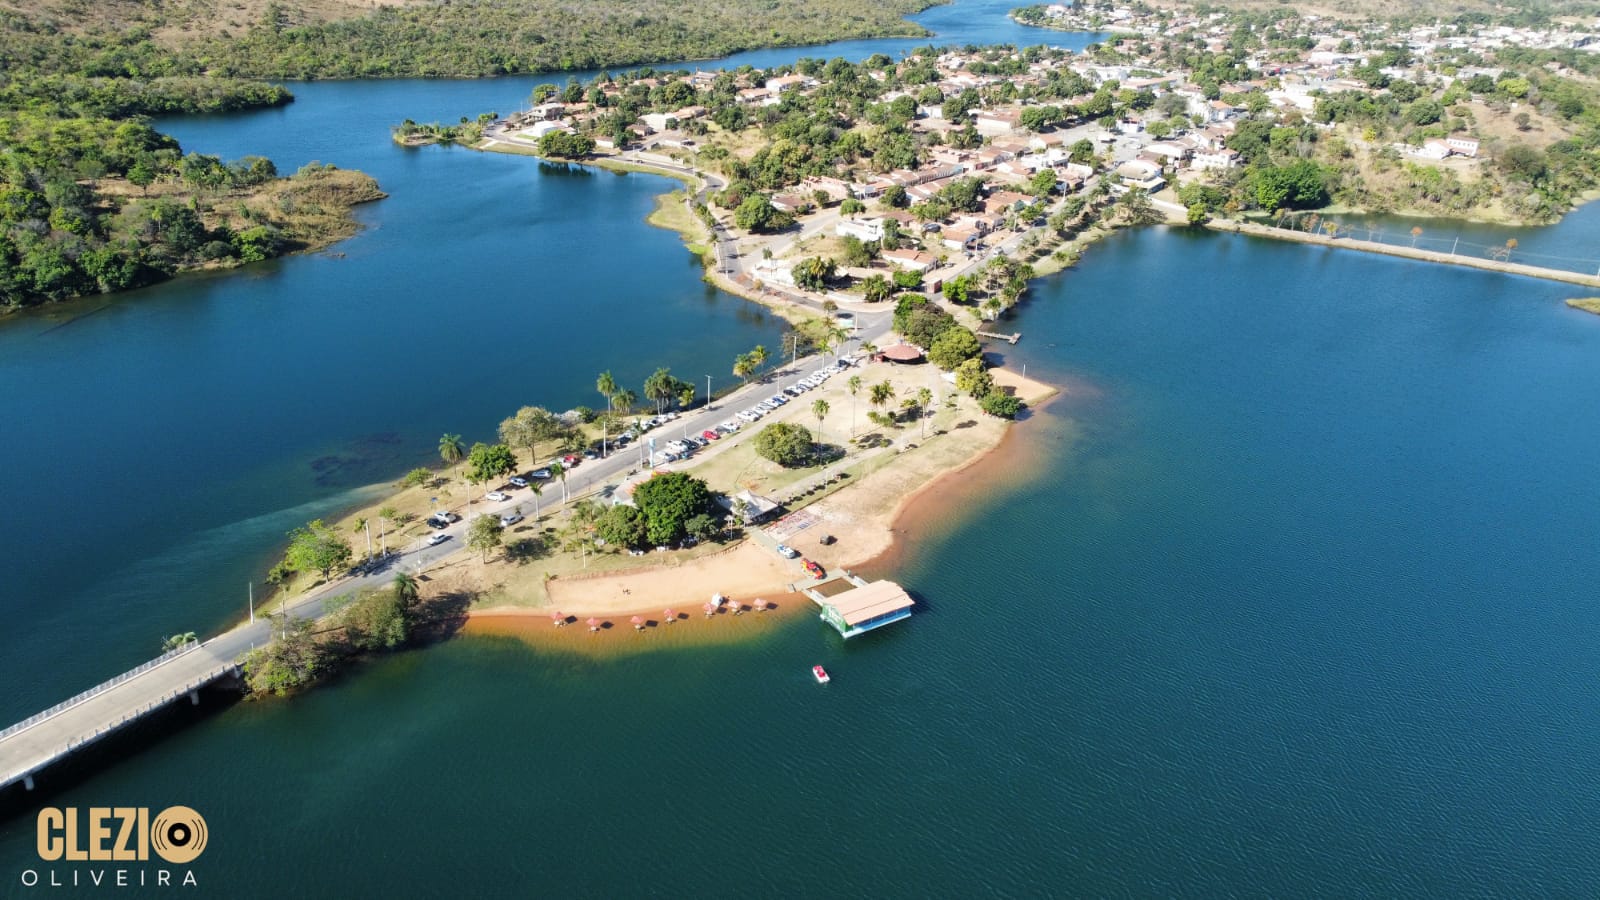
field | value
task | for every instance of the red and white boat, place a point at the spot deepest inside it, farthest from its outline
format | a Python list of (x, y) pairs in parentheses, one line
[(820, 674)]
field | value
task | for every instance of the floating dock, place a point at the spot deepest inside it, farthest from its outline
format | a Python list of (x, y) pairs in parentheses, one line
[(864, 607)]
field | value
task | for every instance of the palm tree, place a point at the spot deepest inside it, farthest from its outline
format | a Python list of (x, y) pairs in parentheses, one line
[(881, 393), (363, 525), (559, 471), (391, 516), (924, 400), (836, 338), (819, 409), (607, 386), (854, 384), (538, 492), (451, 449), (758, 358), (405, 589), (626, 399)]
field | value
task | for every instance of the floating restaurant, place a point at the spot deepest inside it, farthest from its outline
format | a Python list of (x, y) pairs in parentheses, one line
[(864, 607)]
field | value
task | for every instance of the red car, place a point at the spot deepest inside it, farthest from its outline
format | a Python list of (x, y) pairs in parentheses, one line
[(569, 460), (815, 570), (710, 435)]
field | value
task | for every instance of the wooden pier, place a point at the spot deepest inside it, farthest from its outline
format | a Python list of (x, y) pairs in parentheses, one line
[(1011, 338)]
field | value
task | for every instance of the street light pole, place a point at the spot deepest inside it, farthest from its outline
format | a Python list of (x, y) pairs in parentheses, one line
[(708, 392)]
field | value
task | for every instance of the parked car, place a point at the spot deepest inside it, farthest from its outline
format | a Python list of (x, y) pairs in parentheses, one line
[(541, 474), (435, 540), (570, 460), (517, 481), (510, 519), (728, 427), (436, 522), (787, 552), (710, 435), (777, 399), (497, 496), (591, 454)]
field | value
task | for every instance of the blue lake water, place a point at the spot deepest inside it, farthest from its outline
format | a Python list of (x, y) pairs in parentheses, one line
[(1290, 597)]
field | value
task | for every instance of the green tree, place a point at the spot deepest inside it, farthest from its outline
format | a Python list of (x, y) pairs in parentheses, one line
[(876, 289), (669, 501), (880, 394), (785, 443), (451, 449), (819, 408), (316, 548), (854, 387), (488, 462), (485, 534), (175, 641), (377, 620), (607, 385), (814, 274), (924, 404), (999, 403), (559, 471), (623, 526), (756, 214), (290, 660), (531, 426), (973, 378), (954, 346)]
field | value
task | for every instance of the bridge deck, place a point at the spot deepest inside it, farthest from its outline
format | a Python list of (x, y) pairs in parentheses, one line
[(28, 749)]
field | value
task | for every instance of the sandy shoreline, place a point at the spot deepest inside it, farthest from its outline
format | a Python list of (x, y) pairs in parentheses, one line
[(868, 522)]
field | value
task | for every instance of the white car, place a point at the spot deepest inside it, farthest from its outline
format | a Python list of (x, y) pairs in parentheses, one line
[(437, 538), (497, 496), (749, 415), (518, 481), (510, 519), (728, 427)]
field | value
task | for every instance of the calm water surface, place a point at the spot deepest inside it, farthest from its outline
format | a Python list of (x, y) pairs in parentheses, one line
[(1297, 604)]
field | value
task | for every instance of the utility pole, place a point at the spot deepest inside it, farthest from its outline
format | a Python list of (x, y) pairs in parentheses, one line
[(252, 588), (708, 392)]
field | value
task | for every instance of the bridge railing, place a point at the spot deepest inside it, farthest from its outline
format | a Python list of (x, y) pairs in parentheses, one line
[(98, 689)]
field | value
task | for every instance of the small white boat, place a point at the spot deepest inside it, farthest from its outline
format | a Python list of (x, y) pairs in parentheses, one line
[(820, 674)]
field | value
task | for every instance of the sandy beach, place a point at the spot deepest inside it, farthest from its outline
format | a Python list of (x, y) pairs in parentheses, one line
[(865, 520)]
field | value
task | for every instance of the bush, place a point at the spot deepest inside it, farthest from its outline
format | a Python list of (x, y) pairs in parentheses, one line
[(996, 403), (786, 444), (417, 477)]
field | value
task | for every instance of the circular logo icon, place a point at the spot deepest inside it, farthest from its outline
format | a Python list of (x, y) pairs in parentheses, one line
[(179, 834)]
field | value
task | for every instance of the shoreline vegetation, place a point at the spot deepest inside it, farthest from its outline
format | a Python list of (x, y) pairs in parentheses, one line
[(84, 77)]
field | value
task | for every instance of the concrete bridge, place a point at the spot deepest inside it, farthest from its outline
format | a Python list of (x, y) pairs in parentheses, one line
[(44, 738)]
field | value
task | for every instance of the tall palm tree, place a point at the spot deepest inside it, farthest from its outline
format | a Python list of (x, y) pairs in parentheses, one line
[(758, 357), (451, 449), (854, 384), (607, 386), (819, 409), (626, 399), (924, 400), (363, 525), (538, 492), (391, 517), (560, 471)]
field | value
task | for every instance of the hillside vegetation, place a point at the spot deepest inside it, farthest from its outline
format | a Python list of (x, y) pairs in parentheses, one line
[(334, 39)]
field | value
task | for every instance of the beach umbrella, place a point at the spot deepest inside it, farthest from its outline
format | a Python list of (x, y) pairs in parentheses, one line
[(558, 619), (638, 623), (761, 605), (711, 609), (669, 616), (594, 624)]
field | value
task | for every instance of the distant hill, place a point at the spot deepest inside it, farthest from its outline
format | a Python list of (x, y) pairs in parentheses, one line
[(390, 38)]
